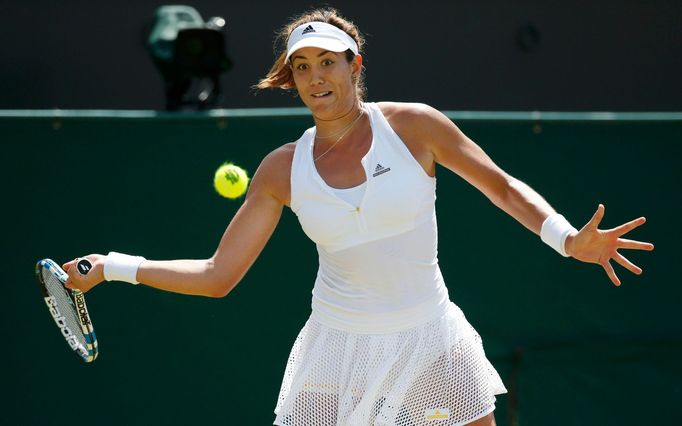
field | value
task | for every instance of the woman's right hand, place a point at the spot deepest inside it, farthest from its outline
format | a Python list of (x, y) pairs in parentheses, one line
[(85, 282)]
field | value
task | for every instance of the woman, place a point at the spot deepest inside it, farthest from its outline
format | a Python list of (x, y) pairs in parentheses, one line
[(384, 345)]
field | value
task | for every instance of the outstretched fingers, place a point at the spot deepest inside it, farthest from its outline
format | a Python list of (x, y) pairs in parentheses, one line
[(625, 263), (607, 244), (596, 218), (634, 245), (610, 272), (629, 226), (622, 261)]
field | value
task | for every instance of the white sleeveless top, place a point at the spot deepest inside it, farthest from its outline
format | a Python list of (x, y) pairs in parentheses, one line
[(378, 258)]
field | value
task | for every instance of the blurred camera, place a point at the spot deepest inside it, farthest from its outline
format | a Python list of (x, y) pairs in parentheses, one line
[(190, 55)]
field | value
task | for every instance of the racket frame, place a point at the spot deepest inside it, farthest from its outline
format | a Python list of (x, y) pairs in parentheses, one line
[(88, 352)]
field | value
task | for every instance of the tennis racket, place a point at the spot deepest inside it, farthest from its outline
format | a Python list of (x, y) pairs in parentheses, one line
[(68, 308)]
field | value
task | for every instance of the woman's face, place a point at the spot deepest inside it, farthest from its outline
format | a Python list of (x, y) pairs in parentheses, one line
[(324, 81)]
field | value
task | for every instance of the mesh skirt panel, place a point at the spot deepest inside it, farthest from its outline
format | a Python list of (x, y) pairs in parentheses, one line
[(436, 373)]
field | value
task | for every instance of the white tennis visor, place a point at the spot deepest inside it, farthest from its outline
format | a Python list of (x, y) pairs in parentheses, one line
[(322, 35)]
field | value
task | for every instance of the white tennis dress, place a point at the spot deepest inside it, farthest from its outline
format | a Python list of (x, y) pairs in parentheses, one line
[(384, 345)]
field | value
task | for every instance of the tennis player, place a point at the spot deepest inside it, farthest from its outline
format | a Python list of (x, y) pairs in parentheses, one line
[(384, 345)]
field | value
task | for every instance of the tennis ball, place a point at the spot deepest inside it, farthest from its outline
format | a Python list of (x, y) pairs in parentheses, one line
[(230, 181)]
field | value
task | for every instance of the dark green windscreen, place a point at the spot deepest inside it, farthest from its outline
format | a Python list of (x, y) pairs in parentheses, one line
[(572, 348)]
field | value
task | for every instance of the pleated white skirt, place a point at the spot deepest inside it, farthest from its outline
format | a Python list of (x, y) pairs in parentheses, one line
[(432, 374)]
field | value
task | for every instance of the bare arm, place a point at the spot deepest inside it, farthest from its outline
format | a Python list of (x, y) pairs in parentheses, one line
[(433, 138), (242, 242)]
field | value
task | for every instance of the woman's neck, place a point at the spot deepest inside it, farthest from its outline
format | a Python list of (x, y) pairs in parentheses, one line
[(328, 128)]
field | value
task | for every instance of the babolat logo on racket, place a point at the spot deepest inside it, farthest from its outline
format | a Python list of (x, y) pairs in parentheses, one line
[(83, 266), (61, 323), (82, 311)]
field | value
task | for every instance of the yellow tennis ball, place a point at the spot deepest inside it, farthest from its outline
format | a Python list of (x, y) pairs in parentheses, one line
[(230, 181)]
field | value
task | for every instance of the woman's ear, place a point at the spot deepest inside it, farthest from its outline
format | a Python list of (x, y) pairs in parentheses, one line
[(356, 67)]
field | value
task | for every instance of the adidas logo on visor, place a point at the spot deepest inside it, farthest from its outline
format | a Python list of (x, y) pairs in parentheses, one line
[(308, 29)]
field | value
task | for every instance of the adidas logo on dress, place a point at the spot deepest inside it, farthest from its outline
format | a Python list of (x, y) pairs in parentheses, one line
[(380, 170), (308, 29)]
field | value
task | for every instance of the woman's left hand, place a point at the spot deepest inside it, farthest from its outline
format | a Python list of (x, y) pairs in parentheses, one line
[(594, 245)]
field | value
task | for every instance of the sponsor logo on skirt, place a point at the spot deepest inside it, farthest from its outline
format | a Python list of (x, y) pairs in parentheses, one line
[(437, 413)]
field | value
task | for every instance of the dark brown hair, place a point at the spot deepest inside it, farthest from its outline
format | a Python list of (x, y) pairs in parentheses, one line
[(280, 75)]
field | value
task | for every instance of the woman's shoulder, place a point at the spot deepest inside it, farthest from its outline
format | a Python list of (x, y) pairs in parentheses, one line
[(275, 170), (279, 159), (406, 117), (282, 157), (404, 109), (406, 114)]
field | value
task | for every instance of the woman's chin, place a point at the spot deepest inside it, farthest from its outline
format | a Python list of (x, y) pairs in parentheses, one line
[(328, 110), (324, 112)]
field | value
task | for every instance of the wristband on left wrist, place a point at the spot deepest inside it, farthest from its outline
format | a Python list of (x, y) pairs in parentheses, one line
[(554, 232)]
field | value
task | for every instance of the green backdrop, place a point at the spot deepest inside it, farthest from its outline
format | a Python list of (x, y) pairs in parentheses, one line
[(572, 348)]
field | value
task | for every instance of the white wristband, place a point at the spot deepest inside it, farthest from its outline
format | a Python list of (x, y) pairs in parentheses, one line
[(554, 231), (122, 267)]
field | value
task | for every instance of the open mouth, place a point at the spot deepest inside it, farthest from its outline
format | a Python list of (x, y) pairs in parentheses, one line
[(321, 94)]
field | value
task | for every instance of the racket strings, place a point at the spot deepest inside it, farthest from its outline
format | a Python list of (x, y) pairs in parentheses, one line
[(66, 308)]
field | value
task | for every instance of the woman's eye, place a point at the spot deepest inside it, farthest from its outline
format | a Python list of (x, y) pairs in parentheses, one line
[(327, 62), (302, 67)]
